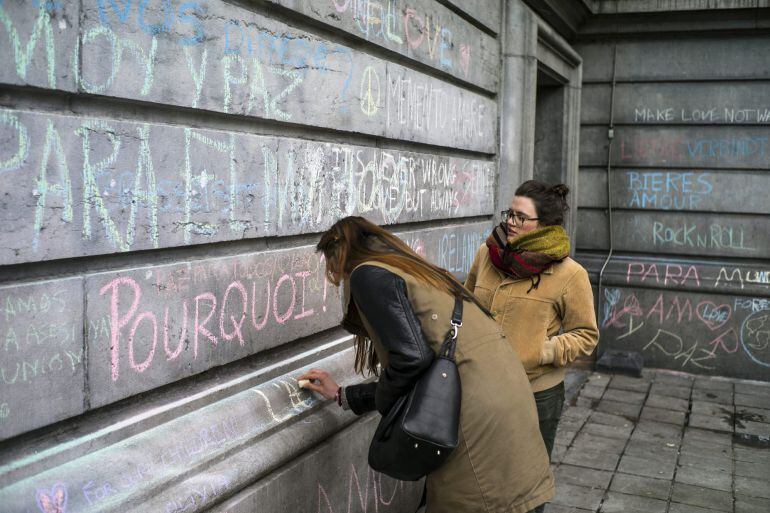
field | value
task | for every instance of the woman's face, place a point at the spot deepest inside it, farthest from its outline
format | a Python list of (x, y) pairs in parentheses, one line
[(524, 217)]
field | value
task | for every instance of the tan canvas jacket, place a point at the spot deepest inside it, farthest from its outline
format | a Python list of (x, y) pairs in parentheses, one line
[(548, 326), (500, 465)]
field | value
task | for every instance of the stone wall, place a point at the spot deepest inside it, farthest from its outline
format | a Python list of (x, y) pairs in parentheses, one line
[(689, 283), (166, 168)]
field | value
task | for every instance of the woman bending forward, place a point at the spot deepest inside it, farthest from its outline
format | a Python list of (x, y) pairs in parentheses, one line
[(399, 307)]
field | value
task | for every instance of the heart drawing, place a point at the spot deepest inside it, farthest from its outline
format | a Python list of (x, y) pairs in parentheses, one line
[(712, 315), (53, 500)]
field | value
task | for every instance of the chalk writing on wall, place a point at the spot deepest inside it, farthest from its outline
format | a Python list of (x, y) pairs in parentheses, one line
[(743, 277), (667, 317), (170, 321), (118, 194), (420, 29), (689, 234), (453, 251), (668, 190), (153, 460), (332, 477), (727, 149), (731, 115), (150, 326), (196, 497), (42, 349), (697, 332), (362, 492), (37, 39), (158, 324), (243, 63), (86, 186), (694, 275), (669, 232), (404, 26)]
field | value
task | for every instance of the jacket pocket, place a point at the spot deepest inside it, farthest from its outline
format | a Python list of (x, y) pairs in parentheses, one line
[(526, 325)]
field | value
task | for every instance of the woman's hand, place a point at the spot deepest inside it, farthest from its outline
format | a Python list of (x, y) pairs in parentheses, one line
[(321, 382)]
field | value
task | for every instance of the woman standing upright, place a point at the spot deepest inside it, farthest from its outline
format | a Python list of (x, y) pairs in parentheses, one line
[(541, 297), (399, 307)]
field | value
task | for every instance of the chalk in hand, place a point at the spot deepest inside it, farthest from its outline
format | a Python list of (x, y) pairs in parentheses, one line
[(303, 383)]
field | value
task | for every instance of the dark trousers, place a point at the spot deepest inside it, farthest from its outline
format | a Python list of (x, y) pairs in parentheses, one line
[(549, 405)]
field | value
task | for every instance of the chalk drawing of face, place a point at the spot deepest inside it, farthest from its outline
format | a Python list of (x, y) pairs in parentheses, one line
[(758, 331), (53, 500), (755, 337)]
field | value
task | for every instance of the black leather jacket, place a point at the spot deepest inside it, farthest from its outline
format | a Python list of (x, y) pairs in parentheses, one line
[(381, 297)]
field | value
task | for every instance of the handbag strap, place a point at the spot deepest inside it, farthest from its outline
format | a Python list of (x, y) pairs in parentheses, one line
[(450, 342), (457, 314)]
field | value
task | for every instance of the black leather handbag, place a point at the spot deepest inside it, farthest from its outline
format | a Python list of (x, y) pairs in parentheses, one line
[(422, 428)]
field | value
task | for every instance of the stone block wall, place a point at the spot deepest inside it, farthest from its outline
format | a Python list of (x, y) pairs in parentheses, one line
[(166, 168), (689, 283)]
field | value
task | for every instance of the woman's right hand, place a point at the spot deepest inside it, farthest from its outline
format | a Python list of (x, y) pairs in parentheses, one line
[(321, 382)]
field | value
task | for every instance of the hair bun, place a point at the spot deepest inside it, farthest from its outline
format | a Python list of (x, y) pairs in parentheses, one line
[(560, 189)]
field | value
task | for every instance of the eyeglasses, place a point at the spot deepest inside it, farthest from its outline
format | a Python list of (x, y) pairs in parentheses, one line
[(518, 218)]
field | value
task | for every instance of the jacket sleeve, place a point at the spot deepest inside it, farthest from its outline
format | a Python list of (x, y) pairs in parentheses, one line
[(470, 280), (360, 398), (579, 330), (381, 297)]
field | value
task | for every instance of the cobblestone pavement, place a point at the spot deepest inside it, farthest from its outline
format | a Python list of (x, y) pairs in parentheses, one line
[(665, 442)]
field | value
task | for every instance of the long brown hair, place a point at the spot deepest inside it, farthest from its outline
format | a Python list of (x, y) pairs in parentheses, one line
[(352, 241)]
